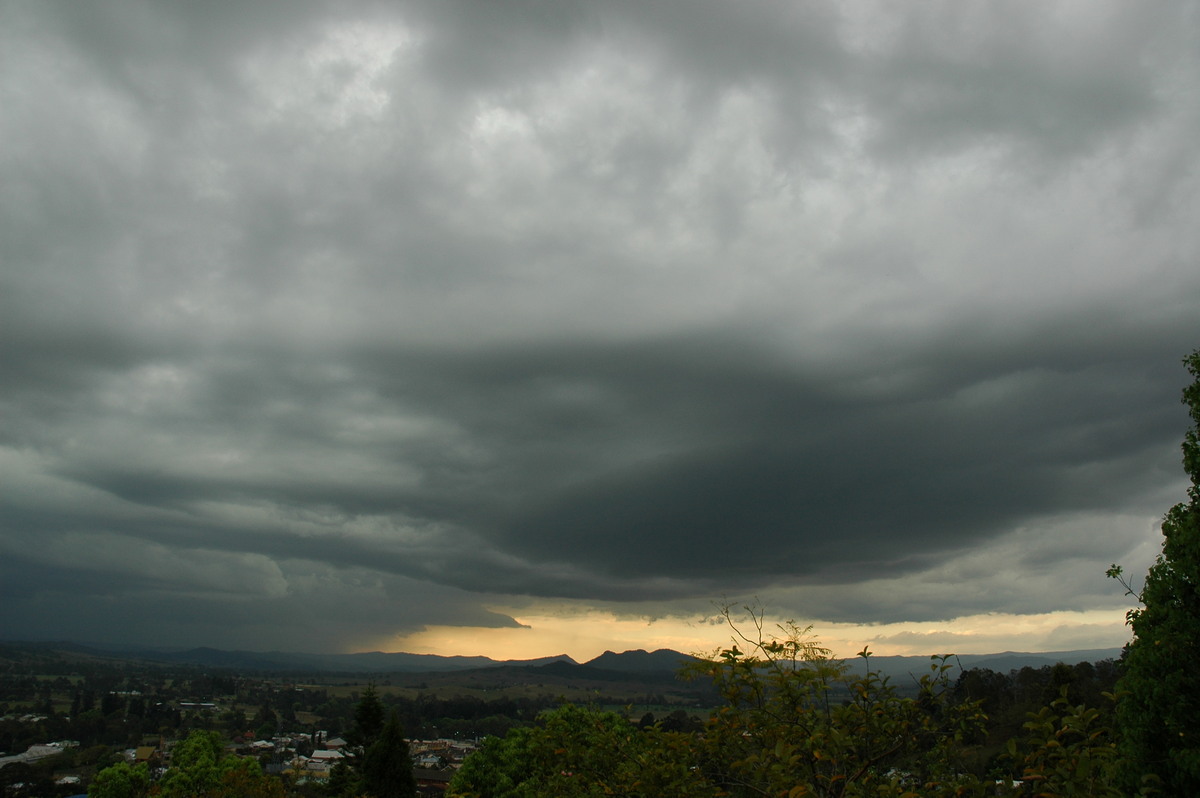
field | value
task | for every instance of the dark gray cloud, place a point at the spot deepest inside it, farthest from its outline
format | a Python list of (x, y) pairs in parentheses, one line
[(427, 307)]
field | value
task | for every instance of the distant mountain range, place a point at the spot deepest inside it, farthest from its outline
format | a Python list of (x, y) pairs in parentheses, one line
[(282, 661), (629, 662), (366, 662)]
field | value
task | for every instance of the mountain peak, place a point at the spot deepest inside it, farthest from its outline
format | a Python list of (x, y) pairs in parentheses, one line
[(663, 659)]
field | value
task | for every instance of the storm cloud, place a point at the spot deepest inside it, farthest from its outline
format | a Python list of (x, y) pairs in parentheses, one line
[(324, 322)]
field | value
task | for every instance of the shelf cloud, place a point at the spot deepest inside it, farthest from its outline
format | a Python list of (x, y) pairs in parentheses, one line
[(323, 323)]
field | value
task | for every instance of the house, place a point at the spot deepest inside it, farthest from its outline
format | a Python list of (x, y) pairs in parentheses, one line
[(432, 782)]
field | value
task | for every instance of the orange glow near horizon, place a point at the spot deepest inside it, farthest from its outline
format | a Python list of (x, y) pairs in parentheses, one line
[(584, 635)]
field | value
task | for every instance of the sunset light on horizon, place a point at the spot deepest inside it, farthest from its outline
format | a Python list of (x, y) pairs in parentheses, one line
[(588, 634)]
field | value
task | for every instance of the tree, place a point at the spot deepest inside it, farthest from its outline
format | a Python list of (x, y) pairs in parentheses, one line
[(1159, 713), (194, 765), (503, 767), (199, 767), (368, 719), (582, 752), (386, 766), (1068, 750), (378, 763), (797, 723), (25, 780), (266, 722), (243, 779)]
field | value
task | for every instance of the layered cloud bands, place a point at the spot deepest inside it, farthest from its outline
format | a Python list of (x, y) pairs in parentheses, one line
[(319, 326)]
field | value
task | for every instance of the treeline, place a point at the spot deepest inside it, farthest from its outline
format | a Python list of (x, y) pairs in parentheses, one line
[(1008, 699), (430, 716), (100, 711)]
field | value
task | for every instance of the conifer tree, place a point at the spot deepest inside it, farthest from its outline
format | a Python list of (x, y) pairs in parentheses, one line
[(368, 719), (378, 763), (386, 766)]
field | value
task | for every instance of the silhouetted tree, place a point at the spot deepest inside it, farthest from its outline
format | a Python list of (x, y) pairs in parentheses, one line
[(1160, 731), (386, 766), (368, 719)]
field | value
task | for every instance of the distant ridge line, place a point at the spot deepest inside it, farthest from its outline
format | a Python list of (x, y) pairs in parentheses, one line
[(627, 662)]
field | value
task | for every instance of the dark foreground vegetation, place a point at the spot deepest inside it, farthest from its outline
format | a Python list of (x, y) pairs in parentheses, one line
[(794, 722), (105, 707), (772, 715)]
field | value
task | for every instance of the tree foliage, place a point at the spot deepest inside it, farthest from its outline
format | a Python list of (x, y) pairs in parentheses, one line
[(199, 767), (386, 766), (196, 765), (368, 719), (378, 764), (1069, 750), (503, 767), (578, 752), (1159, 713), (797, 723), (121, 780)]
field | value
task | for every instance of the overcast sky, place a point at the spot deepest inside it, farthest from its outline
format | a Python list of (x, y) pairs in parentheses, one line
[(327, 324)]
